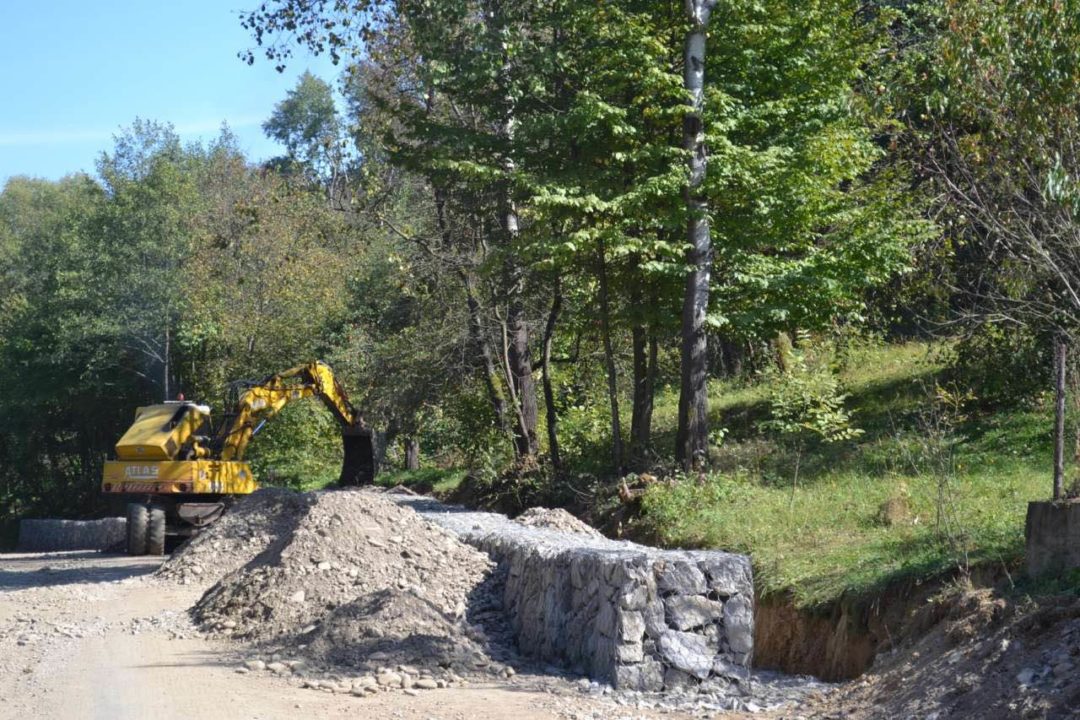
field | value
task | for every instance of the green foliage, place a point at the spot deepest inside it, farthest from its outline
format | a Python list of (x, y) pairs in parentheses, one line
[(1009, 365), (805, 397), (55, 350), (464, 428), (805, 214), (571, 113), (995, 135), (436, 481), (306, 123), (300, 448), (181, 269)]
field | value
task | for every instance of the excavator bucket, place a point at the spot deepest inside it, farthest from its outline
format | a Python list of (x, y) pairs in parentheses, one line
[(358, 465)]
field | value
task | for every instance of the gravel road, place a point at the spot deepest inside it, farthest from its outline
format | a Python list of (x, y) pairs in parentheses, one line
[(87, 635)]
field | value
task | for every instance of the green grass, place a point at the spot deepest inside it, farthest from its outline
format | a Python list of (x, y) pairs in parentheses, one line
[(1067, 583), (826, 538)]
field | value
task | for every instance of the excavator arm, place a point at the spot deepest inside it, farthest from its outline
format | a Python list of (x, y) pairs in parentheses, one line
[(262, 400)]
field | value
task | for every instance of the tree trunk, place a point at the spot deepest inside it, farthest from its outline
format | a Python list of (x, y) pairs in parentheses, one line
[(641, 404), (520, 367), (487, 361), (733, 357), (609, 363), (1060, 359), (476, 324), (412, 453), (165, 373), (645, 370), (691, 446), (650, 391), (549, 393), (518, 357)]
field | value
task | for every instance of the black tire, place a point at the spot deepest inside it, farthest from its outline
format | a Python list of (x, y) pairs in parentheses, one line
[(155, 535), (138, 521)]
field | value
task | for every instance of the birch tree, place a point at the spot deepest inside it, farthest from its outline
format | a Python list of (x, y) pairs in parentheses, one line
[(691, 443)]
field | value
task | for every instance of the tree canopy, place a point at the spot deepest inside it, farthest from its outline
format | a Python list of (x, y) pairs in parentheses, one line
[(512, 224)]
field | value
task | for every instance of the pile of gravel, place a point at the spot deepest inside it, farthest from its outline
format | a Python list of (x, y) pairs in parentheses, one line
[(350, 579), (246, 530), (556, 519)]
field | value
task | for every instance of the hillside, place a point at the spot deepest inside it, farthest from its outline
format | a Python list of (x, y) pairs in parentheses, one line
[(925, 490), (910, 499)]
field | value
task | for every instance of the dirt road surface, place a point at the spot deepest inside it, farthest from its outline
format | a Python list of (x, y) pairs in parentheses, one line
[(87, 635)]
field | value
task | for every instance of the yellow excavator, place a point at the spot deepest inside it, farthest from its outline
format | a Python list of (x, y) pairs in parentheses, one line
[(178, 469)]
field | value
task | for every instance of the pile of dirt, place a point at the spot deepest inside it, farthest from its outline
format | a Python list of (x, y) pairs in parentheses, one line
[(556, 519), (247, 529), (988, 656), (350, 578)]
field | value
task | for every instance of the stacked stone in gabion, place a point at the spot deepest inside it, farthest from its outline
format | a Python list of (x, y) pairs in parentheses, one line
[(637, 617), (55, 535)]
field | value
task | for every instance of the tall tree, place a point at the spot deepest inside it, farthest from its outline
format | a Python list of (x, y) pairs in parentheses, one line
[(997, 136), (306, 122), (555, 155), (692, 439), (148, 222)]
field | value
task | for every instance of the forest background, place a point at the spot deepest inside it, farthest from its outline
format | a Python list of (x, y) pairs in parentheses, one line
[(799, 279)]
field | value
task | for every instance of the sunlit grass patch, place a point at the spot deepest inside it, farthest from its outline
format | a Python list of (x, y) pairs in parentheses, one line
[(876, 510)]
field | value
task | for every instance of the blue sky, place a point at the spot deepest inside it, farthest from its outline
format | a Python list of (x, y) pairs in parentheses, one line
[(72, 73)]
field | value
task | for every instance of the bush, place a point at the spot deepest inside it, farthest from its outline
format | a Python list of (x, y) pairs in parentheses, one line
[(1008, 364), (805, 397)]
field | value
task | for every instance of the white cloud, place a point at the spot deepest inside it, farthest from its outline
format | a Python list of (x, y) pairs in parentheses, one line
[(51, 137), (72, 135)]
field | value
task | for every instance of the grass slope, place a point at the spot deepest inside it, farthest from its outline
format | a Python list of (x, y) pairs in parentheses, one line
[(904, 501)]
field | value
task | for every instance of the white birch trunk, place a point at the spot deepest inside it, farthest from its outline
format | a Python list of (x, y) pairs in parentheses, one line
[(692, 439)]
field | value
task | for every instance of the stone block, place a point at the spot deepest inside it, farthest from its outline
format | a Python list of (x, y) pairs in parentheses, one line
[(726, 574), (652, 675), (629, 653), (646, 676), (684, 612), (680, 576), (54, 535), (675, 679), (687, 652), (739, 624), (638, 617), (631, 626), (1052, 533), (607, 620), (627, 677), (655, 622), (729, 670)]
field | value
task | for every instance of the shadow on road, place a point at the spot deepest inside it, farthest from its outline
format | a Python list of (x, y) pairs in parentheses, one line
[(43, 570)]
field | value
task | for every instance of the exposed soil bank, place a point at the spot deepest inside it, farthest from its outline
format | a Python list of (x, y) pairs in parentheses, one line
[(834, 644), (840, 641), (991, 656)]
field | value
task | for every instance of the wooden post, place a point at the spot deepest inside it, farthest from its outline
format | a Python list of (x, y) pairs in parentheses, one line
[(1060, 358)]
